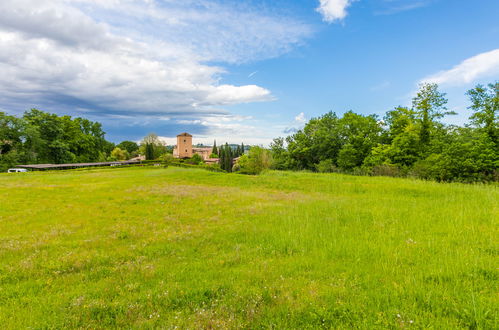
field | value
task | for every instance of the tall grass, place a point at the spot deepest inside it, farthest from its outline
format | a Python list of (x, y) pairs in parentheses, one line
[(153, 247)]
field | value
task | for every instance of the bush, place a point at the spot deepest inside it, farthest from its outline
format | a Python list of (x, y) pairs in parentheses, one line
[(385, 170), (257, 160), (167, 159), (326, 166), (236, 167), (195, 160)]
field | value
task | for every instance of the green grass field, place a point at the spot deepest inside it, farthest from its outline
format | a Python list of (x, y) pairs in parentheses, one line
[(155, 247)]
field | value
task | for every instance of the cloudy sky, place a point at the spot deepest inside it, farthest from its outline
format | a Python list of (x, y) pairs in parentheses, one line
[(238, 71)]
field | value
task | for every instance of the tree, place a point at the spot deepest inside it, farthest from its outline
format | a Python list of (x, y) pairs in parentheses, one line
[(485, 104), (257, 160), (397, 120), (149, 151), (320, 139), (130, 146), (11, 132), (214, 150), (195, 160), (429, 106), (119, 154), (359, 134), (152, 147), (279, 154)]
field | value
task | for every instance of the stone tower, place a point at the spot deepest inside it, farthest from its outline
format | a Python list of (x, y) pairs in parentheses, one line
[(184, 145)]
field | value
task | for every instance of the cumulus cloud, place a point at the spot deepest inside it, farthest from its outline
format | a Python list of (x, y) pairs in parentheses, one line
[(231, 129), (299, 123), (134, 58), (481, 66), (300, 118), (333, 10)]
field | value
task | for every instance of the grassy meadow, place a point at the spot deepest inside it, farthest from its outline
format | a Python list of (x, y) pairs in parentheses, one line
[(187, 248)]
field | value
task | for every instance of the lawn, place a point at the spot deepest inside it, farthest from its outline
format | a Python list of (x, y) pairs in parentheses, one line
[(155, 247)]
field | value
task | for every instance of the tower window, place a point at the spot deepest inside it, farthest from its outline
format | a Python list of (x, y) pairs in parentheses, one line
[(185, 141), (185, 150)]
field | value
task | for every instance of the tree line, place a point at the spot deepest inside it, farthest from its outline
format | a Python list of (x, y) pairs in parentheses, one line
[(42, 137), (407, 141), (39, 137)]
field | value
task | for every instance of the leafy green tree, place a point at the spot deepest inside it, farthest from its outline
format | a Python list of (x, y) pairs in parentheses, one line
[(279, 154), (485, 104), (320, 139), (11, 133), (429, 106), (131, 147), (152, 147), (359, 135), (397, 121), (257, 160), (119, 154)]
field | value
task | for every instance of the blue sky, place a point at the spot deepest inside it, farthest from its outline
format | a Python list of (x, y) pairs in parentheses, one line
[(238, 71)]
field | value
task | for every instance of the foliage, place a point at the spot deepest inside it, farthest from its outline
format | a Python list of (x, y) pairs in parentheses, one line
[(428, 106), (485, 104), (131, 147), (227, 154), (42, 137), (118, 154), (167, 158), (257, 160), (195, 160), (186, 248), (152, 147), (409, 141), (326, 166), (214, 150)]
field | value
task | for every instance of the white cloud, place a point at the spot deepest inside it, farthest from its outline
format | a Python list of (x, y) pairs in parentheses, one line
[(333, 10), (231, 129), (300, 118), (134, 57), (390, 7), (481, 66), (299, 123)]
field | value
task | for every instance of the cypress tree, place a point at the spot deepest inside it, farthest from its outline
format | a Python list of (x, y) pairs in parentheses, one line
[(228, 157), (221, 159), (214, 150), (149, 151)]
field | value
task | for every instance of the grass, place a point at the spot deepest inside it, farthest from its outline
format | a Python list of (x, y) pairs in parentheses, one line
[(154, 247)]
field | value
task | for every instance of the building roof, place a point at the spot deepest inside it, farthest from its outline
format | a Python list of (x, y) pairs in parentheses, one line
[(205, 149), (48, 166), (184, 134)]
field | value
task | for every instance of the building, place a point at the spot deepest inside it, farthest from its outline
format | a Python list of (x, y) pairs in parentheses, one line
[(184, 149)]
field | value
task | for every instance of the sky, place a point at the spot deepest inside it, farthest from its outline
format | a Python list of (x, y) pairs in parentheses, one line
[(239, 71)]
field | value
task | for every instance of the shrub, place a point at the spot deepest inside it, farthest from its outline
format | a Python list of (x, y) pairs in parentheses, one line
[(385, 170), (326, 166), (195, 160), (167, 158), (257, 160)]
